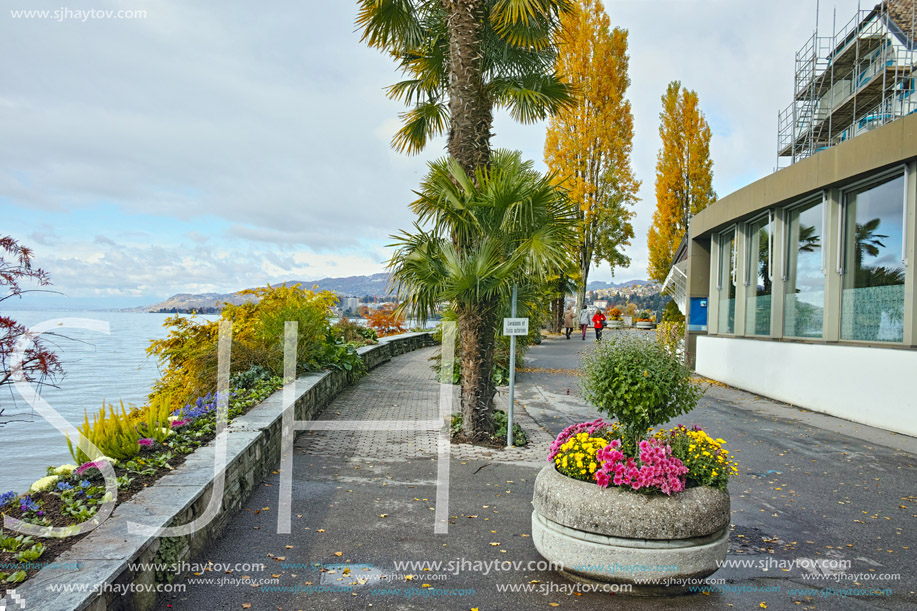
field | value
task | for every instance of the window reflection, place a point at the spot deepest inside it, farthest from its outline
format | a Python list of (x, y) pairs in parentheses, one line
[(727, 304), (758, 296), (872, 308), (804, 305)]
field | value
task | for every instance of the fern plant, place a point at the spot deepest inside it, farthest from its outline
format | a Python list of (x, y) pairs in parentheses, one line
[(114, 435), (152, 421)]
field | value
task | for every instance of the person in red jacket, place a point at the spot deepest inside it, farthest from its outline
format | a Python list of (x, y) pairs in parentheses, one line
[(598, 321)]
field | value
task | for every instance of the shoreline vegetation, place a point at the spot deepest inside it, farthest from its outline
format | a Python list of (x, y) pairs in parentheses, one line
[(147, 442)]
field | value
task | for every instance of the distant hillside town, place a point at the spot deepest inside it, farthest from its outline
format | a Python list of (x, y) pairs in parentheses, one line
[(630, 297), (359, 294)]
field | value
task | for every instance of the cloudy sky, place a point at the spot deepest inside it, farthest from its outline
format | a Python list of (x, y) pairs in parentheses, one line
[(213, 146)]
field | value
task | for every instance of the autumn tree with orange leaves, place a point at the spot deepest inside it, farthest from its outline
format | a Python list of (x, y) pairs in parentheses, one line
[(684, 176), (386, 320), (588, 145)]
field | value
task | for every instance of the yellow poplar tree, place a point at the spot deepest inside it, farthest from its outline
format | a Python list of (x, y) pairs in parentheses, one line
[(588, 145), (684, 176)]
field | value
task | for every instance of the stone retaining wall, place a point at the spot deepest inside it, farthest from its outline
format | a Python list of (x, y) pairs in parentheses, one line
[(106, 554)]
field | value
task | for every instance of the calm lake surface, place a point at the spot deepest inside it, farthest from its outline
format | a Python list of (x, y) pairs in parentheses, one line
[(98, 368)]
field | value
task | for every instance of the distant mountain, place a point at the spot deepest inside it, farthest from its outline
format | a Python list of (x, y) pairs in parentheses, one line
[(597, 284), (375, 285)]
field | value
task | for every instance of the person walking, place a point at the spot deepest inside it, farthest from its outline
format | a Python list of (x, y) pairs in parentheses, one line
[(568, 322), (584, 321), (598, 320)]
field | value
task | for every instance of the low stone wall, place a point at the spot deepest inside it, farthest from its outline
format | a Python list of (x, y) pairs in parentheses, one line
[(108, 555)]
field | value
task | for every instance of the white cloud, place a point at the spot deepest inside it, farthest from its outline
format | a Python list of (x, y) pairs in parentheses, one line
[(232, 144)]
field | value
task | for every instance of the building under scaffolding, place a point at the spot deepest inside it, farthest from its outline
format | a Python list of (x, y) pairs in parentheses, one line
[(857, 79)]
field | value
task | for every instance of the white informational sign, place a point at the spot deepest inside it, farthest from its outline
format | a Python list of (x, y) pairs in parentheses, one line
[(515, 326)]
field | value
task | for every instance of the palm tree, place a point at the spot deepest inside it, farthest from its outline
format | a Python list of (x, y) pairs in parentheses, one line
[(505, 224), (868, 242), (463, 57)]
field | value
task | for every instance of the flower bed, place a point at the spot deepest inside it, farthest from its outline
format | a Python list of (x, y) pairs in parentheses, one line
[(71, 495), (144, 444), (668, 461)]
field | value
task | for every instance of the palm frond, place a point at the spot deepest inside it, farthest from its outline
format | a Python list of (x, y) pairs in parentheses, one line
[(389, 24), (425, 121), (527, 23), (532, 97)]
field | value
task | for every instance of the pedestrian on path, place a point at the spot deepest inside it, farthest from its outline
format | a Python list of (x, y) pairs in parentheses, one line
[(584, 321), (568, 322), (598, 320)]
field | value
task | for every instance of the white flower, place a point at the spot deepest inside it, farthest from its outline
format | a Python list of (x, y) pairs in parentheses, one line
[(45, 483), (64, 470)]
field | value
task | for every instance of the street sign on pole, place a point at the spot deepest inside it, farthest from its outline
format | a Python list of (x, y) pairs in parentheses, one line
[(515, 326)]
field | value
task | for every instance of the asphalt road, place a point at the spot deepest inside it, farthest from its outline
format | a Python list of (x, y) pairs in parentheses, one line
[(811, 489)]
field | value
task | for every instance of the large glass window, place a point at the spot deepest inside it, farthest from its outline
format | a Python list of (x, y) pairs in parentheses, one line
[(758, 295), (804, 305), (872, 308), (727, 283)]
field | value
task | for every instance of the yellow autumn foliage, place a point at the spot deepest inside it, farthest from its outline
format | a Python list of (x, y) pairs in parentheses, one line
[(684, 176), (588, 144)]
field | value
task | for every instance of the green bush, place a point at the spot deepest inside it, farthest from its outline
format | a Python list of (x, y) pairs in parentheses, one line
[(347, 331), (670, 335), (249, 378), (188, 355), (672, 313), (638, 382)]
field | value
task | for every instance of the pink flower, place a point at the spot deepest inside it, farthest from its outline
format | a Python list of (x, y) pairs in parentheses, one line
[(179, 423), (90, 465), (145, 442), (601, 478), (657, 468)]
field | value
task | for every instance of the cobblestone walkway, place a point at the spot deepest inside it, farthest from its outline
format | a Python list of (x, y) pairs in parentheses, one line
[(405, 390)]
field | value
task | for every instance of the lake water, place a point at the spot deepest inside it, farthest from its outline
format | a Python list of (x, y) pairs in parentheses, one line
[(98, 367)]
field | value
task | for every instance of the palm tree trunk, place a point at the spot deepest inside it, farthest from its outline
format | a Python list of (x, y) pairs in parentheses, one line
[(557, 305), (470, 110), (476, 328)]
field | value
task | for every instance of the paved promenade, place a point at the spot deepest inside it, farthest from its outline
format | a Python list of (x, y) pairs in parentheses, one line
[(364, 502)]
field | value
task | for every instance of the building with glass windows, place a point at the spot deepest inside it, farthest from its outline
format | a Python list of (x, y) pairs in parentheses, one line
[(808, 281), (801, 286)]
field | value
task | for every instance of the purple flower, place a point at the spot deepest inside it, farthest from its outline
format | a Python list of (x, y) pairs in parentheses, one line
[(27, 504), (6, 498), (146, 442), (179, 423)]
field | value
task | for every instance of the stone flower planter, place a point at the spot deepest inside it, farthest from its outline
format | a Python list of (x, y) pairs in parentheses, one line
[(610, 535), (615, 324), (644, 325)]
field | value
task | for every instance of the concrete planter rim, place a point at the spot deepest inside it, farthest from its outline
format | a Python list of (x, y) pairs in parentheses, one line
[(616, 512)]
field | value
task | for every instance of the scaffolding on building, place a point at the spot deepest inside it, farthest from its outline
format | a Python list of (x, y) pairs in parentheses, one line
[(857, 79)]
